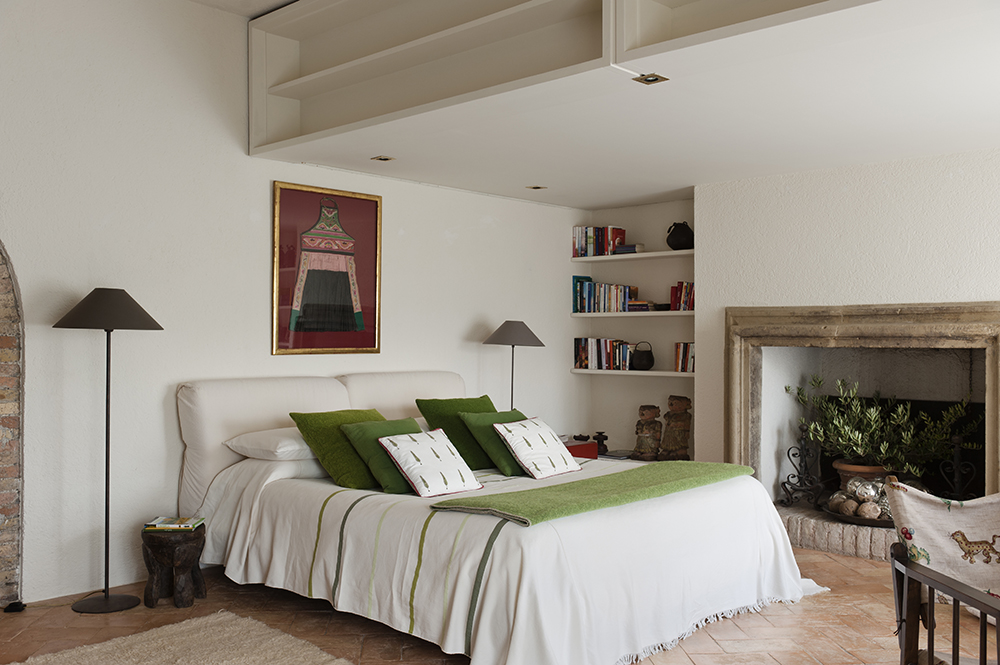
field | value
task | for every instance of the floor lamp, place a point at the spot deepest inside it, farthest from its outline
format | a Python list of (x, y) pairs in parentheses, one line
[(514, 333), (107, 310)]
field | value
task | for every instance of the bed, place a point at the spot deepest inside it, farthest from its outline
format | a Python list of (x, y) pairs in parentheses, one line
[(598, 588)]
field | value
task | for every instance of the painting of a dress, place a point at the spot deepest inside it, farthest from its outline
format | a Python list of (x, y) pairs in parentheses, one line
[(326, 275), (326, 288)]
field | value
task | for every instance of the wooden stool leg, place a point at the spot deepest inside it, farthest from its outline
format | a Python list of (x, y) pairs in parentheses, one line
[(157, 582), (185, 563), (183, 587), (199, 582)]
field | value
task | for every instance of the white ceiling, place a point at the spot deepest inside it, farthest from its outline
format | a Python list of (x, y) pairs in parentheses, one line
[(888, 80)]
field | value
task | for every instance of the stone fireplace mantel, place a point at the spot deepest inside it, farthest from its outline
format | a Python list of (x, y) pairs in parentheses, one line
[(973, 325)]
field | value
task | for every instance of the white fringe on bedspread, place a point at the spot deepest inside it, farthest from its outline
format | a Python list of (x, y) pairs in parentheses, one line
[(809, 588)]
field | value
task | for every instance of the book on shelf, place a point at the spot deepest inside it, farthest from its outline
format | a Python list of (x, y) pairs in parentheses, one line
[(630, 249), (590, 296), (578, 292), (597, 240), (601, 353), (682, 296), (640, 306), (173, 524), (684, 357)]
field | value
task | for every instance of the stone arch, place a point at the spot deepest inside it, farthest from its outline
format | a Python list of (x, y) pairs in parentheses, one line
[(11, 412)]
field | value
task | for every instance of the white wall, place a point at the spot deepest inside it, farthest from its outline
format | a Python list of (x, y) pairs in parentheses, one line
[(124, 164), (914, 231)]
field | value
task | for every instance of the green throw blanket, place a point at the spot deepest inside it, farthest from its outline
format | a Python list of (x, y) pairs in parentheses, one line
[(527, 507)]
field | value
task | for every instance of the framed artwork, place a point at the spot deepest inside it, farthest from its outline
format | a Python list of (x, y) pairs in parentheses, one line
[(327, 270)]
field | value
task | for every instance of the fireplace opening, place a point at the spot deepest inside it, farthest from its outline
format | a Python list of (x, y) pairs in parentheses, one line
[(931, 380)]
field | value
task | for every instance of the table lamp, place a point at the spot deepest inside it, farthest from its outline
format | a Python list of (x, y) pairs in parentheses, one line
[(514, 333)]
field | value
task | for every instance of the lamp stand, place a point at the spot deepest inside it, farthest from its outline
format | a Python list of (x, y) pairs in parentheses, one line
[(511, 377), (108, 602)]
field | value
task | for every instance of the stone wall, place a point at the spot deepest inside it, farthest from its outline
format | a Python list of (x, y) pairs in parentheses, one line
[(11, 479)]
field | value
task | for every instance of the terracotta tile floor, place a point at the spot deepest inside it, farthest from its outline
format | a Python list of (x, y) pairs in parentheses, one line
[(852, 623)]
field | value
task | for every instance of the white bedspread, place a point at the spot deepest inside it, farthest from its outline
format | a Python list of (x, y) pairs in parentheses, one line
[(609, 586)]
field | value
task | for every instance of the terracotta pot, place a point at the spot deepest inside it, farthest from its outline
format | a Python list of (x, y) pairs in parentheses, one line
[(847, 470)]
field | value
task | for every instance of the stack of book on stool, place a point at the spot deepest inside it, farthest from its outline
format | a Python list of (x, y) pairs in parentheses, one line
[(177, 524)]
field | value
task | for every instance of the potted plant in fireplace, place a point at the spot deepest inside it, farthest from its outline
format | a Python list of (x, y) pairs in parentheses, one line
[(878, 433)]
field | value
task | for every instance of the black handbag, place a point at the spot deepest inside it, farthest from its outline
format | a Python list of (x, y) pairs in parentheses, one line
[(642, 359), (680, 236)]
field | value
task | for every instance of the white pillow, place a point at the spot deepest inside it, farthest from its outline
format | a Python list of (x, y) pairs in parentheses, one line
[(536, 448), (285, 443), (430, 463)]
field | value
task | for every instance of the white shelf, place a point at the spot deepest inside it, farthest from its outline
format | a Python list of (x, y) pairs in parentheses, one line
[(635, 373), (638, 256), (629, 315), (645, 27), (463, 38), (317, 67)]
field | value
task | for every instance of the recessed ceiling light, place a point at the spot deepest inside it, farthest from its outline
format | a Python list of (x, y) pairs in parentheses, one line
[(650, 79), (535, 187), (382, 158)]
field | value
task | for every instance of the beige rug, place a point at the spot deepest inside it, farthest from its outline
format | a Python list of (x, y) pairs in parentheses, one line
[(218, 639)]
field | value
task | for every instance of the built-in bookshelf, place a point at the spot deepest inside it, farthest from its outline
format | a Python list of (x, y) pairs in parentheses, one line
[(615, 395), (643, 261), (677, 324)]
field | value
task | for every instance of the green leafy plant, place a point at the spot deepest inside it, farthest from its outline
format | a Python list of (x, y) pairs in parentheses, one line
[(880, 432)]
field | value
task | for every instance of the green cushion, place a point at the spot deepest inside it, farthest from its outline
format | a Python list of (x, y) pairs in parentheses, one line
[(443, 413), (364, 437), (322, 432), (481, 426)]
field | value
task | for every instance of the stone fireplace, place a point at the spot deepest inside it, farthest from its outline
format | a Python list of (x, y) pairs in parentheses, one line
[(972, 328)]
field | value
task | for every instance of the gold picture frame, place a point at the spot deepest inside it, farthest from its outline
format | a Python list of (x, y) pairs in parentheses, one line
[(327, 259)]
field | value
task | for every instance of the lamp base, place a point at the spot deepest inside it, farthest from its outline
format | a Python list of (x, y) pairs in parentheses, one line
[(105, 604)]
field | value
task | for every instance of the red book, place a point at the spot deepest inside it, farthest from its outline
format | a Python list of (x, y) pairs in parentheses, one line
[(616, 237)]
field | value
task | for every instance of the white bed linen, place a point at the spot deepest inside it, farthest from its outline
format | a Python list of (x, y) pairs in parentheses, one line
[(609, 586)]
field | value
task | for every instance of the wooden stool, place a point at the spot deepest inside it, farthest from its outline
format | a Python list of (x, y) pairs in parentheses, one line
[(172, 561)]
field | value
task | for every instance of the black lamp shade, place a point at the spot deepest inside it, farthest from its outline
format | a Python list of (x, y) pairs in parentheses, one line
[(513, 333), (108, 309)]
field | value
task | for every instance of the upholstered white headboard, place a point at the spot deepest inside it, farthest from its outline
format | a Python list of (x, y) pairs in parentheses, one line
[(394, 394), (213, 411)]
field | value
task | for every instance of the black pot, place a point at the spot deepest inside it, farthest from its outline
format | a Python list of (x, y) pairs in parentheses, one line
[(680, 236), (642, 359)]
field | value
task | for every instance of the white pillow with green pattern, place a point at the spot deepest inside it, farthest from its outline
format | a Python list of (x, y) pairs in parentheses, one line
[(430, 463), (536, 448)]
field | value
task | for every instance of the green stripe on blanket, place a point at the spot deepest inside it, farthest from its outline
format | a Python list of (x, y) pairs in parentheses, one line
[(527, 507)]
